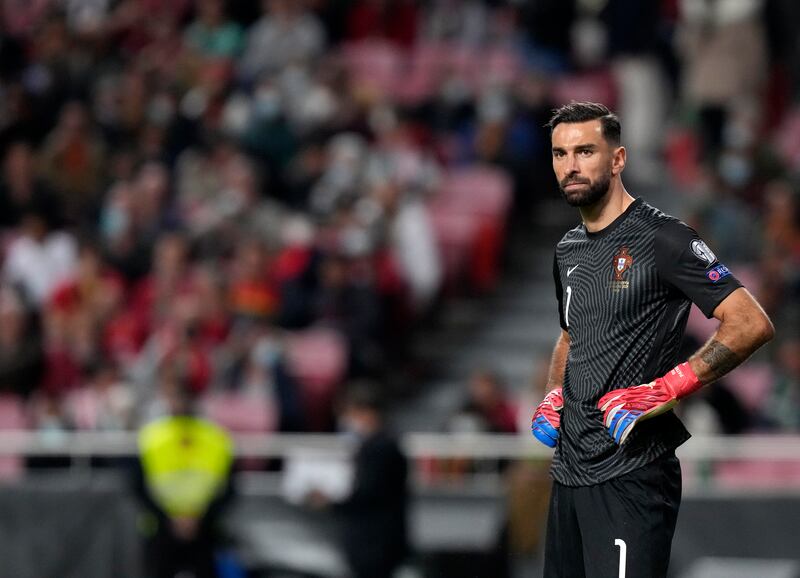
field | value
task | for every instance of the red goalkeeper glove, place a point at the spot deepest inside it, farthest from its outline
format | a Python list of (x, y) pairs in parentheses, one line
[(546, 419), (624, 408)]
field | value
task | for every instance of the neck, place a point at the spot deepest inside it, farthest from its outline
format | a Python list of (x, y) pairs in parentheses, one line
[(600, 215)]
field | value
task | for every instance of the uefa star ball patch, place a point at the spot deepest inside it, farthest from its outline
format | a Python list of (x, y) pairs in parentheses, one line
[(702, 252)]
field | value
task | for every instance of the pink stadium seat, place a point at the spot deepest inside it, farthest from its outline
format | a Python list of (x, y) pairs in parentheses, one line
[(374, 65), (469, 215), (593, 86), (700, 327), (423, 72), (240, 412), (788, 139), (433, 56), (456, 235), (12, 417), (762, 474), (317, 358), (751, 384), (479, 190), (500, 65)]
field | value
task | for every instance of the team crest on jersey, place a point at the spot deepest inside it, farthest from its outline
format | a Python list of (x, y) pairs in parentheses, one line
[(622, 262)]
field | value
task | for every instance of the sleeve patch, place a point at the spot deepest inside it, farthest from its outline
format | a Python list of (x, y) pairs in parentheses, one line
[(717, 273), (702, 252)]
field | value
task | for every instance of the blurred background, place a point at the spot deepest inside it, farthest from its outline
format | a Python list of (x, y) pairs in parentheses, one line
[(243, 210)]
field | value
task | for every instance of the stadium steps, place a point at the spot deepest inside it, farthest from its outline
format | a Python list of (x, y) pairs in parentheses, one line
[(511, 331)]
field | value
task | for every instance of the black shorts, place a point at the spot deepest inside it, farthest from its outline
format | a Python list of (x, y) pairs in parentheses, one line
[(621, 528)]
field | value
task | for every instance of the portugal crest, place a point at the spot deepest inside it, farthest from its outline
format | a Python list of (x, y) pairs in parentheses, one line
[(622, 262)]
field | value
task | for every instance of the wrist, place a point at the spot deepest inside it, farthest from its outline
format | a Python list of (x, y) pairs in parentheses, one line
[(682, 380)]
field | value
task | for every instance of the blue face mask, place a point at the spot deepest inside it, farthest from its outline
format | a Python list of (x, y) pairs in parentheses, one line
[(267, 104), (266, 352), (350, 429), (113, 222)]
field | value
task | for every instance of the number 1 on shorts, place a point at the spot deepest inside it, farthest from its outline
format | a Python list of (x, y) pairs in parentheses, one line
[(623, 556)]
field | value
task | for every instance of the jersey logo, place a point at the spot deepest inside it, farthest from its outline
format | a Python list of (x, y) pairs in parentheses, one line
[(717, 273), (571, 269), (622, 262), (702, 252)]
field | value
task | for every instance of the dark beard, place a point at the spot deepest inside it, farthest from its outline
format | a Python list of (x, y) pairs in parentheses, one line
[(597, 190)]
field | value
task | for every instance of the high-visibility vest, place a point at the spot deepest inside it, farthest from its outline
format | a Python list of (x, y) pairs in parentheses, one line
[(186, 462)]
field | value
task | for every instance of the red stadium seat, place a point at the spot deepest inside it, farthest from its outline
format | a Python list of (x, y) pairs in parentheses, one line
[(456, 234), (476, 190), (598, 86), (317, 359), (469, 215), (374, 65), (240, 412)]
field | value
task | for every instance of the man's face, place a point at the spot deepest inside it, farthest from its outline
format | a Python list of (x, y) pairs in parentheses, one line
[(582, 161)]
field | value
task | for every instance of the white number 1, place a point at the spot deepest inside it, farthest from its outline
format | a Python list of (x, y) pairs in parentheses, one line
[(623, 556), (566, 306)]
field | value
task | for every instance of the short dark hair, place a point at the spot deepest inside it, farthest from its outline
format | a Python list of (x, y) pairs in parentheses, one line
[(584, 112)]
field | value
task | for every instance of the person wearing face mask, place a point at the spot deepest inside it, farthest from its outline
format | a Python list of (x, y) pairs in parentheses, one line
[(373, 516)]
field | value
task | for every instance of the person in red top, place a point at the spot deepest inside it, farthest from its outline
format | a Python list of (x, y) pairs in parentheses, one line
[(489, 404)]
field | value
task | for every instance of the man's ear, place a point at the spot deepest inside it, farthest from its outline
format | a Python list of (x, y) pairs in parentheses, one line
[(620, 155)]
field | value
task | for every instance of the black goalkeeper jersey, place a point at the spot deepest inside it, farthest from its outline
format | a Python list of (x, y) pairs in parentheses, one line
[(624, 295)]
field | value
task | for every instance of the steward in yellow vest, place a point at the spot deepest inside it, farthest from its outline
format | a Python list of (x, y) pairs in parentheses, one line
[(184, 480)]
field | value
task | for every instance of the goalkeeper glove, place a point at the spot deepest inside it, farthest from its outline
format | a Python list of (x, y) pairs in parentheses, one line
[(546, 419), (624, 408)]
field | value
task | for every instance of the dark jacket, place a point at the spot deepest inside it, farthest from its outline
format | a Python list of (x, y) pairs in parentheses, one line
[(374, 516)]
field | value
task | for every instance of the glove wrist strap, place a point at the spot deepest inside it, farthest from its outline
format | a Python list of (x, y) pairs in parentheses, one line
[(682, 380)]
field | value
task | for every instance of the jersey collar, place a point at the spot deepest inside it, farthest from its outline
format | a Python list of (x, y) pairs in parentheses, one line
[(615, 223)]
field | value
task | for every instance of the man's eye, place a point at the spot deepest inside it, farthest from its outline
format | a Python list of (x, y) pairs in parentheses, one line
[(586, 153)]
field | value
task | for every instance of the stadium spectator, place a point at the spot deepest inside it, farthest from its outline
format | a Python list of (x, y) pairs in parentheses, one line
[(488, 404), (374, 526), (73, 162), (212, 35), (286, 34), (21, 353), (39, 258), (21, 191), (183, 481), (343, 120)]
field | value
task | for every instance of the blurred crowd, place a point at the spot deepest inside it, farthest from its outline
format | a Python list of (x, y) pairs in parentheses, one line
[(255, 200)]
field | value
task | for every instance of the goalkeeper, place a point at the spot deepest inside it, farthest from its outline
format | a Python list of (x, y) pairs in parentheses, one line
[(625, 280)]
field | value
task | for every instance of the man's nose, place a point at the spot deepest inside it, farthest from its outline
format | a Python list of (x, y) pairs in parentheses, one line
[(573, 167)]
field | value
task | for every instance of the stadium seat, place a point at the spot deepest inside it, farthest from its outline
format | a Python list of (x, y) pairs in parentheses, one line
[(761, 474), (240, 412), (317, 358), (477, 190), (751, 384), (374, 65), (598, 86), (468, 215), (455, 234)]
